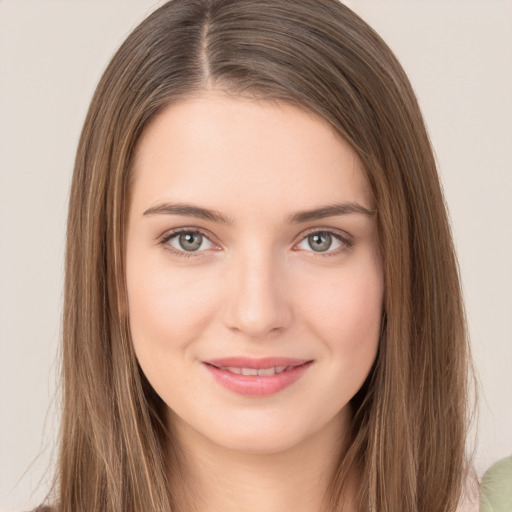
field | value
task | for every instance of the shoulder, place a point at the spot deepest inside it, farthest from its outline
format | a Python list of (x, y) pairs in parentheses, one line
[(496, 490)]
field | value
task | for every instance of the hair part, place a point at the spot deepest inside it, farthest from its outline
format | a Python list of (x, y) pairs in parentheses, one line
[(411, 414)]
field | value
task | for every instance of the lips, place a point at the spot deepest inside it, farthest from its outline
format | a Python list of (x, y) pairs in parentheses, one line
[(257, 377)]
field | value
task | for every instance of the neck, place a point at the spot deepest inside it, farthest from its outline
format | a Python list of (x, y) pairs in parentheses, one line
[(298, 479)]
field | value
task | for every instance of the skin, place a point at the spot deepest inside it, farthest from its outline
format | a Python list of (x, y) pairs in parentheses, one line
[(256, 288)]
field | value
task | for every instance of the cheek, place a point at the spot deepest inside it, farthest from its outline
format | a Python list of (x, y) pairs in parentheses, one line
[(167, 307), (347, 315)]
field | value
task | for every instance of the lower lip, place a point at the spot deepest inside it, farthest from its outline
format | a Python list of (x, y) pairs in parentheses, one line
[(257, 385)]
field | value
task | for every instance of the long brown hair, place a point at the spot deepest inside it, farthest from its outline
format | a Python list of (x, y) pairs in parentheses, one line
[(411, 414)]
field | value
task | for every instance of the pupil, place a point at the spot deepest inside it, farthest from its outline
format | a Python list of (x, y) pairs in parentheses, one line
[(321, 241), (190, 241)]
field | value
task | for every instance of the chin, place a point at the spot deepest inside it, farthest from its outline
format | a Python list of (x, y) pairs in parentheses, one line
[(264, 434), (261, 442)]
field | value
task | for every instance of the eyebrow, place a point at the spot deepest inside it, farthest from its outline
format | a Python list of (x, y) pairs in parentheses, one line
[(329, 210), (189, 210)]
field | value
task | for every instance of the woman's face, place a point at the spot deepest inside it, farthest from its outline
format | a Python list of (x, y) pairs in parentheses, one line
[(254, 281)]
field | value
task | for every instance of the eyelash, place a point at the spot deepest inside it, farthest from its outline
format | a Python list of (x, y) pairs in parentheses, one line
[(341, 237)]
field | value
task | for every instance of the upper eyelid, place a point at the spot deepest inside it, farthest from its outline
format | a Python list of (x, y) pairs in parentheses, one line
[(341, 233), (174, 232)]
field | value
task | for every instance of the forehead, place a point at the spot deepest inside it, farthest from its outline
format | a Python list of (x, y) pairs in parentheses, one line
[(245, 153)]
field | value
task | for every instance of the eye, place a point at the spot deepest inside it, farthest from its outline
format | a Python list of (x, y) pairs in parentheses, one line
[(329, 242), (186, 242)]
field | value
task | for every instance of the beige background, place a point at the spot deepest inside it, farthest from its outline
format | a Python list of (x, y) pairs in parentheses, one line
[(457, 54)]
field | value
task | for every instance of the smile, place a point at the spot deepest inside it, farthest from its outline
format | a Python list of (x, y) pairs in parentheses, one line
[(256, 371), (257, 377)]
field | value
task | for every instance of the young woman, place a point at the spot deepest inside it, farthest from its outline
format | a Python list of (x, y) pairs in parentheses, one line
[(262, 304)]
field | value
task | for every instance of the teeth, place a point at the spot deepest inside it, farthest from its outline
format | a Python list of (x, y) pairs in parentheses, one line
[(265, 372), (249, 371)]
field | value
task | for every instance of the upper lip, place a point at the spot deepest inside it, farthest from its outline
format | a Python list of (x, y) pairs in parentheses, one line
[(250, 362)]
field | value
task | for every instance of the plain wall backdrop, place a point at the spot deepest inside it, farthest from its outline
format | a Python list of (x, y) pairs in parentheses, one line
[(458, 55)]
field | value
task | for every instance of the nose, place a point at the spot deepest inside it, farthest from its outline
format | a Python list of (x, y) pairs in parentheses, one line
[(257, 300)]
